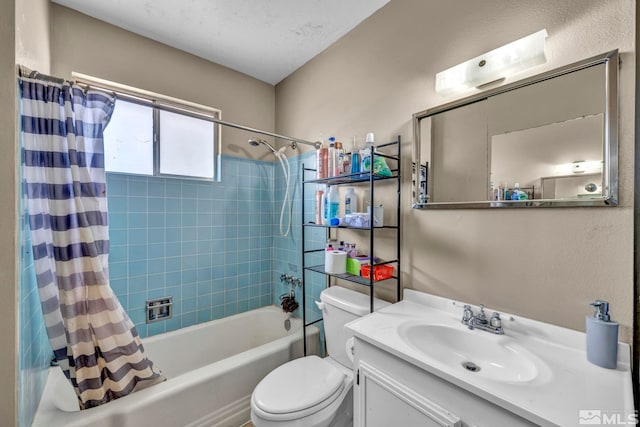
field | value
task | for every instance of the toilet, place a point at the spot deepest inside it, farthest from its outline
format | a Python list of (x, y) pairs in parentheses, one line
[(310, 391)]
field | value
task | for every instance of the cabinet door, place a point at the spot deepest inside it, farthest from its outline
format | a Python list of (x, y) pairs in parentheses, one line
[(382, 402)]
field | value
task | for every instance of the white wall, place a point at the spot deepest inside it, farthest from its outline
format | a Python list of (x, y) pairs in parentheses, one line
[(547, 264)]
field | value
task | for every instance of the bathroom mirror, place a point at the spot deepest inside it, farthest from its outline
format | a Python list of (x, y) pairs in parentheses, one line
[(547, 141)]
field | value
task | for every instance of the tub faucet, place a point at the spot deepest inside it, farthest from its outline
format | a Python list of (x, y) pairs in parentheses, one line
[(479, 321)]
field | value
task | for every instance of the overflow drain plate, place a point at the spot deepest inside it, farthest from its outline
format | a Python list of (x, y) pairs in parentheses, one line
[(471, 367)]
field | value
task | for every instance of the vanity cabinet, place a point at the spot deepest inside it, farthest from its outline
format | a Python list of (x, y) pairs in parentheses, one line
[(389, 391)]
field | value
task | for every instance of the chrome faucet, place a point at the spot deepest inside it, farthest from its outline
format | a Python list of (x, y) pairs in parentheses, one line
[(479, 321)]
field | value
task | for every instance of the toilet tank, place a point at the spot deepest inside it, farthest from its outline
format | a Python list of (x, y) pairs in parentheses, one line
[(341, 306)]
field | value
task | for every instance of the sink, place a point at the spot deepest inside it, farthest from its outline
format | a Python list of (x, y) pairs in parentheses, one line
[(493, 357)]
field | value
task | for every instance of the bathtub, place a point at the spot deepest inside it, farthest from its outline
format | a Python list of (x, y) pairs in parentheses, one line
[(211, 369)]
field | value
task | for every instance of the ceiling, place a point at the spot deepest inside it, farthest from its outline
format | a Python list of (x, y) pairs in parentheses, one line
[(266, 39)]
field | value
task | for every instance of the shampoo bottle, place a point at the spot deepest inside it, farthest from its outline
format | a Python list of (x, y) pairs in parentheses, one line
[(325, 208), (350, 201), (602, 337), (333, 200), (331, 155)]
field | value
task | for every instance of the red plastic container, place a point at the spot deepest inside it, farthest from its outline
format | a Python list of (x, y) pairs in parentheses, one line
[(380, 272)]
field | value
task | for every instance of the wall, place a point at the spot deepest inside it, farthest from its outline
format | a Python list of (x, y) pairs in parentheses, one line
[(32, 34), (287, 251), (32, 50), (546, 264), (89, 46), (35, 351), (8, 216), (209, 245)]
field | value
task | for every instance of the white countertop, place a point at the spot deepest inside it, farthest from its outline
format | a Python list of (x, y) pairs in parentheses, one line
[(566, 382)]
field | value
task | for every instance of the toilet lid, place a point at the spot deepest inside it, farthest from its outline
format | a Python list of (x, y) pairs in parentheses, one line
[(298, 385)]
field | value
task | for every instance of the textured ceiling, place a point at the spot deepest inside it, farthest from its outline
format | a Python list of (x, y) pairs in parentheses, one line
[(266, 39)]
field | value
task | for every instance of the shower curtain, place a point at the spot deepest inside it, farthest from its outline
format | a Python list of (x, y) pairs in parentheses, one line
[(93, 339)]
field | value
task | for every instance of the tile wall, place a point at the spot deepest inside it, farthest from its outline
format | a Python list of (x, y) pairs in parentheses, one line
[(34, 350), (209, 245), (287, 257)]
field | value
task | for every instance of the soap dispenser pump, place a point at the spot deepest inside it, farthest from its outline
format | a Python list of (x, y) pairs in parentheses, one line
[(602, 337)]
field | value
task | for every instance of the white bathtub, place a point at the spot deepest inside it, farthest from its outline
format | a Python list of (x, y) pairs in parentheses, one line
[(211, 370)]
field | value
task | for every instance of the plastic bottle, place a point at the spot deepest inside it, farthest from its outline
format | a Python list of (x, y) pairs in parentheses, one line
[(331, 155), (515, 194), (346, 161), (333, 200), (350, 202), (339, 160), (319, 207), (365, 153), (322, 161), (355, 157), (325, 208)]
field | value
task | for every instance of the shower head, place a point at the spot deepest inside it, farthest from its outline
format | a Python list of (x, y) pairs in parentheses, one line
[(257, 141)]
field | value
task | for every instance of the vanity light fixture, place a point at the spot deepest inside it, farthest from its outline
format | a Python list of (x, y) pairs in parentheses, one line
[(494, 65), (579, 166)]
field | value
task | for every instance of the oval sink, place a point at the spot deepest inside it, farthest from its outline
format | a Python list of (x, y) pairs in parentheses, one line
[(495, 357)]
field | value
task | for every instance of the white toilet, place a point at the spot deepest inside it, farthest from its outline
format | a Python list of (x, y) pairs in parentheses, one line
[(310, 391)]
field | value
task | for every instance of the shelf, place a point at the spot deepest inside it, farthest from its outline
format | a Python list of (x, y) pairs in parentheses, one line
[(352, 178), (368, 181), (311, 224), (350, 277)]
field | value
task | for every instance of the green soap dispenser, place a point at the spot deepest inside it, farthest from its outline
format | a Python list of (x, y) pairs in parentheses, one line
[(602, 337)]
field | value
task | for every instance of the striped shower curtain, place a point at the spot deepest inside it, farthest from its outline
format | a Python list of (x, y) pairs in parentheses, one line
[(93, 339)]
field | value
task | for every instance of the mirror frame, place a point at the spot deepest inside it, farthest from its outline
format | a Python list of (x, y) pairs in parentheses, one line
[(610, 149)]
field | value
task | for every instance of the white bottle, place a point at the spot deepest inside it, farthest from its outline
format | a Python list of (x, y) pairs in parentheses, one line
[(331, 155), (350, 201), (324, 209), (365, 154), (333, 200)]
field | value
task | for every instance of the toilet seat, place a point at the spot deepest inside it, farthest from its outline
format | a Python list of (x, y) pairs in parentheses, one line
[(312, 384)]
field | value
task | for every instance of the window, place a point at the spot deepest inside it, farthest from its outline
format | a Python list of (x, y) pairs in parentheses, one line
[(128, 139), (151, 134), (186, 146)]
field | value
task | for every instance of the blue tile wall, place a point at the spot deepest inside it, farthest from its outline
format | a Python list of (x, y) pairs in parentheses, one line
[(207, 244), (34, 352), (287, 257)]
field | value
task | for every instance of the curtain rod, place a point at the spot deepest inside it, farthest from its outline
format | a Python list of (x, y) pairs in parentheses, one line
[(125, 90), (28, 73)]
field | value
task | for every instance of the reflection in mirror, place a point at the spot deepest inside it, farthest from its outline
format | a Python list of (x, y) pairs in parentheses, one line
[(554, 161), (550, 140)]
